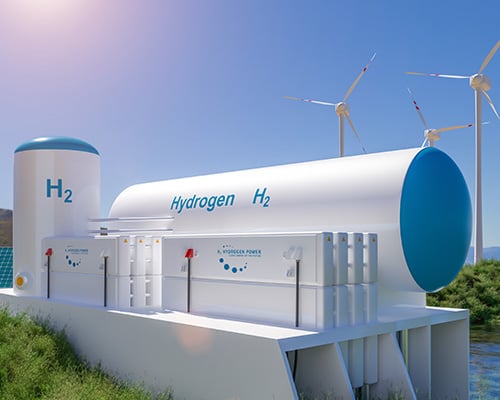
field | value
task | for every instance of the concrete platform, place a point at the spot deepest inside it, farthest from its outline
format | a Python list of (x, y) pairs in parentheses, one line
[(209, 358)]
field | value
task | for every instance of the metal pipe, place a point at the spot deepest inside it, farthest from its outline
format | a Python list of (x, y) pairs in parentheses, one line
[(48, 276), (297, 292), (105, 281), (189, 285)]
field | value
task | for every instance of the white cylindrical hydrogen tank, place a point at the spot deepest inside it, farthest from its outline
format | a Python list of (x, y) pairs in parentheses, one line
[(416, 200), (56, 191)]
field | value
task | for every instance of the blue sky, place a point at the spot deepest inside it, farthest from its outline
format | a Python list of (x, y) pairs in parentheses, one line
[(166, 89)]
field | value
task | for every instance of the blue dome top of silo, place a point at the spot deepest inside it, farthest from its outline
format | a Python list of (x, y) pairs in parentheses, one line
[(57, 143)]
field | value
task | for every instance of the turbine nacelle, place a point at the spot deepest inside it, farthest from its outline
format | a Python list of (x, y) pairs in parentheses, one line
[(432, 135), (480, 82), (342, 109)]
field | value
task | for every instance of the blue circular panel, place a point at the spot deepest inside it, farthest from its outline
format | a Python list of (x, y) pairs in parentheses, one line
[(435, 219), (57, 143)]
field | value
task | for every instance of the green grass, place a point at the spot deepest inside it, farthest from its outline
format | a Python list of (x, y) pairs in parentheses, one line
[(36, 363), (477, 287)]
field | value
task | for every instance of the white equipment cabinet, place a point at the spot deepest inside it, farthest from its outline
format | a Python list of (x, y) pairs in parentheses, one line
[(287, 279), (122, 272)]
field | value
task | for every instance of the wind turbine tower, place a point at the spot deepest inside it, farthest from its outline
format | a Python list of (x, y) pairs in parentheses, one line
[(481, 84)]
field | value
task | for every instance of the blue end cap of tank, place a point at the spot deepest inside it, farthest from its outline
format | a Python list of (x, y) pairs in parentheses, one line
[(57, 143), (435, 219)]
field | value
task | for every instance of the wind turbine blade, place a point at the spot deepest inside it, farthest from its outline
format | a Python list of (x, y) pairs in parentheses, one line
[(452, 128), (489, 57), (490, 102), (355, 133), (418, 109), (438, 75), (424, 142), (359, 77), (309, 101)]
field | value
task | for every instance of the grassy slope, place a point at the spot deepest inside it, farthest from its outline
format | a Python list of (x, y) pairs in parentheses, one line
[(476, 288), (38, 364)]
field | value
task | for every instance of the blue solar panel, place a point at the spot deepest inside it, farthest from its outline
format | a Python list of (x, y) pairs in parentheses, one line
[(5, 267)]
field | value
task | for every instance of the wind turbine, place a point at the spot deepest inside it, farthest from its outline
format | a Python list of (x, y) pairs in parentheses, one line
[(431, 135), (480, 83), (342, 109)]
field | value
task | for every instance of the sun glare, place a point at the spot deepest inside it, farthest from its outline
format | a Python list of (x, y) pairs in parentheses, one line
[(44, 11)]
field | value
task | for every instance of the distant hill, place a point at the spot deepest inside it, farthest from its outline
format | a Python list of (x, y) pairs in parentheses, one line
[(5, 214), (5, 228), (488, 254)]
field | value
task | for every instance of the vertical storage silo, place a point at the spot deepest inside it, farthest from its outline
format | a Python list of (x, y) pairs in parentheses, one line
[(56, 191)]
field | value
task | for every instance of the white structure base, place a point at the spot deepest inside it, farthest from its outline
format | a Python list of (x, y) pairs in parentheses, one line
[(418, 352)]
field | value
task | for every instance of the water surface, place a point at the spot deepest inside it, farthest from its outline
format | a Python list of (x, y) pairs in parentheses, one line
[(484, 365)]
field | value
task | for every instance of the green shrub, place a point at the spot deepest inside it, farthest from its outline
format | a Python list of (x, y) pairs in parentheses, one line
[(477, 288)]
